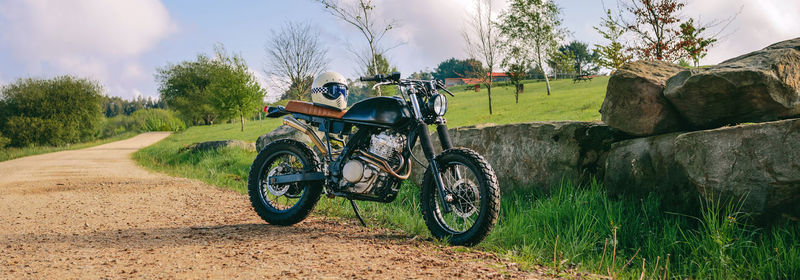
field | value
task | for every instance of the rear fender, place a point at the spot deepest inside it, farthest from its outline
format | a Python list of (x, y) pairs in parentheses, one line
[(275, 112)]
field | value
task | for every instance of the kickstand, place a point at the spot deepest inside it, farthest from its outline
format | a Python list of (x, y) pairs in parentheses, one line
[(358, 215)]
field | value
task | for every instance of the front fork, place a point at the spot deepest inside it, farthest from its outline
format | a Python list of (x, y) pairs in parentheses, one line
[(430, 154)]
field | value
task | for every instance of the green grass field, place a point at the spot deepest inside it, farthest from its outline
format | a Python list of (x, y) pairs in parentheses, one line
[(576, 227)]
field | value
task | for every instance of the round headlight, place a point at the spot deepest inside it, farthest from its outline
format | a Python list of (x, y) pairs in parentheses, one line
[(439, 104)]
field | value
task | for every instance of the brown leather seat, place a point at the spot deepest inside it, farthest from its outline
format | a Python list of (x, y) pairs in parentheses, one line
[(309, 108)]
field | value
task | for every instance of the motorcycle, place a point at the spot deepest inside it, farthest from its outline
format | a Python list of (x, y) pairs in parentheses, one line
[(366, 154)]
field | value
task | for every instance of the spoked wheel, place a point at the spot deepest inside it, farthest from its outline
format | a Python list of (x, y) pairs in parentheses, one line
[(473, 195), (283, 204)]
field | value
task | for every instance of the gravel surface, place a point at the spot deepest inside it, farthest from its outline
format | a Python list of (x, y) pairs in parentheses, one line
[(93, 213)]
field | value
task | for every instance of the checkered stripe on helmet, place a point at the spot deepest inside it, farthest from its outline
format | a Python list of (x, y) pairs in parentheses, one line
[(319, 90)]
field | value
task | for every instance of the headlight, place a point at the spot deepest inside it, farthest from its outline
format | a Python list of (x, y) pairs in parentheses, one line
[(438, 104)]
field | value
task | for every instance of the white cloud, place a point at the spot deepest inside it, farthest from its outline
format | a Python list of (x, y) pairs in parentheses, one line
[(92, 38)]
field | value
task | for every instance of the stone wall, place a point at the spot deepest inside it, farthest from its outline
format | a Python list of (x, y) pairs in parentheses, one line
[(538, 154)]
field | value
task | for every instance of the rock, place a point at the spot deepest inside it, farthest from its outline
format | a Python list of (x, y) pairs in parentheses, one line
[(788, 44), (756, 164), (639, 167), (213, 145), (634, 101), (755, 87), (538, 154), (282, 132)]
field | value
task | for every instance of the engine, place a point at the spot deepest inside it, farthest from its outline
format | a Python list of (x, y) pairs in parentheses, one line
[(362, 176)]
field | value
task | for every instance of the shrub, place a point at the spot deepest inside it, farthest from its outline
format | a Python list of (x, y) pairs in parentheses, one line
[(4, 141), (157, 120), (143, 121), (55, 111)]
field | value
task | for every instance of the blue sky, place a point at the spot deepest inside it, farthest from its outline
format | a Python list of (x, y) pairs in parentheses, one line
[(120, 43)]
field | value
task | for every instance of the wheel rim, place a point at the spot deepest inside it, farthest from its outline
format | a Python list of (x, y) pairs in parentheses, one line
[(283, 197), (462, 183)]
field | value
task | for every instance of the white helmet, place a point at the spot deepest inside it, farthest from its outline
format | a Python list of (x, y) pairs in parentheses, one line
[(330, 90)]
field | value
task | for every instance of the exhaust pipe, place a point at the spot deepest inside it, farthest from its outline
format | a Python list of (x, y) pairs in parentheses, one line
[(294, 123)]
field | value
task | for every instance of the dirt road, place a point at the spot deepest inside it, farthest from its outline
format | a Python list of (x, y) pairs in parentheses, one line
[(93, 213)]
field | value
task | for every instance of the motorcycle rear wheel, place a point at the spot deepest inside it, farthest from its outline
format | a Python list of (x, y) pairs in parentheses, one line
[(475, 207), (283, 204)]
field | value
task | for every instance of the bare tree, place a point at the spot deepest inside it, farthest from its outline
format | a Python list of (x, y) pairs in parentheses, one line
[(360, 14), (483, 42), (295, 54)]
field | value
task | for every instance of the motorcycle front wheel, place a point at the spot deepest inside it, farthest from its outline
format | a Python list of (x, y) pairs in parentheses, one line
[(475, 205), (284, 204)]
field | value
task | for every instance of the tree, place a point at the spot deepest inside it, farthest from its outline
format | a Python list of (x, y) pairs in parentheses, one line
[(360, 14), (516, 73), (516, 60), (614, 54), (561, 61), (183, 87), (655, 24), (695, 46), (457, 68), (57, 111), (538, 23), (234, 90), (583, 60), (422, 75), (295, 54), (483, 42)]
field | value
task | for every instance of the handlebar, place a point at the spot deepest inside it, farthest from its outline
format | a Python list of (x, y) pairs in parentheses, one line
[(382, 79), (394, 77)]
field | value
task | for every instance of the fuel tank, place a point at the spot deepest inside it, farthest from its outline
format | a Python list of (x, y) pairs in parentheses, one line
[(383, 111)]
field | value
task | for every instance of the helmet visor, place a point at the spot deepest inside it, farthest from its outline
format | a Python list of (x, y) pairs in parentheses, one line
[(333, 91)]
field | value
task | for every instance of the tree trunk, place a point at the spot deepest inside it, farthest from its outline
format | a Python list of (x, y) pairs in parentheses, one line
[(519, 90), (374, 65), (546, 80), (241, 120), (489, 91)]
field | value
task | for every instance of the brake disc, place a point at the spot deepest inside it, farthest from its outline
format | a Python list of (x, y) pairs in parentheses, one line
[(465, 193)]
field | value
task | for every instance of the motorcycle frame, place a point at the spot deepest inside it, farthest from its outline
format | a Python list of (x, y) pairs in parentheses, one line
[(416, 129)]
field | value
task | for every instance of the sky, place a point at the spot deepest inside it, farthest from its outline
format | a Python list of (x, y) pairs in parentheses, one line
[(122, 43)]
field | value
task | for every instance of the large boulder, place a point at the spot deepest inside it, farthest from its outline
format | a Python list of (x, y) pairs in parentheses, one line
[(755, 87), (644, 166), (634, 101), (757, 165), (282, 132), (538, 154)]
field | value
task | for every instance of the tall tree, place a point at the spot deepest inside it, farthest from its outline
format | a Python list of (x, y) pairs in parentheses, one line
[(538, 22), (361, 15), (693, 43), (234, 90), (295, 54), (614, 54), (655, 24), (483, 42), (183, 87)]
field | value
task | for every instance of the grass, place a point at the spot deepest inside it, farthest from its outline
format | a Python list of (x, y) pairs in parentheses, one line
[(576, 227), (568, 101), (12, 153)]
